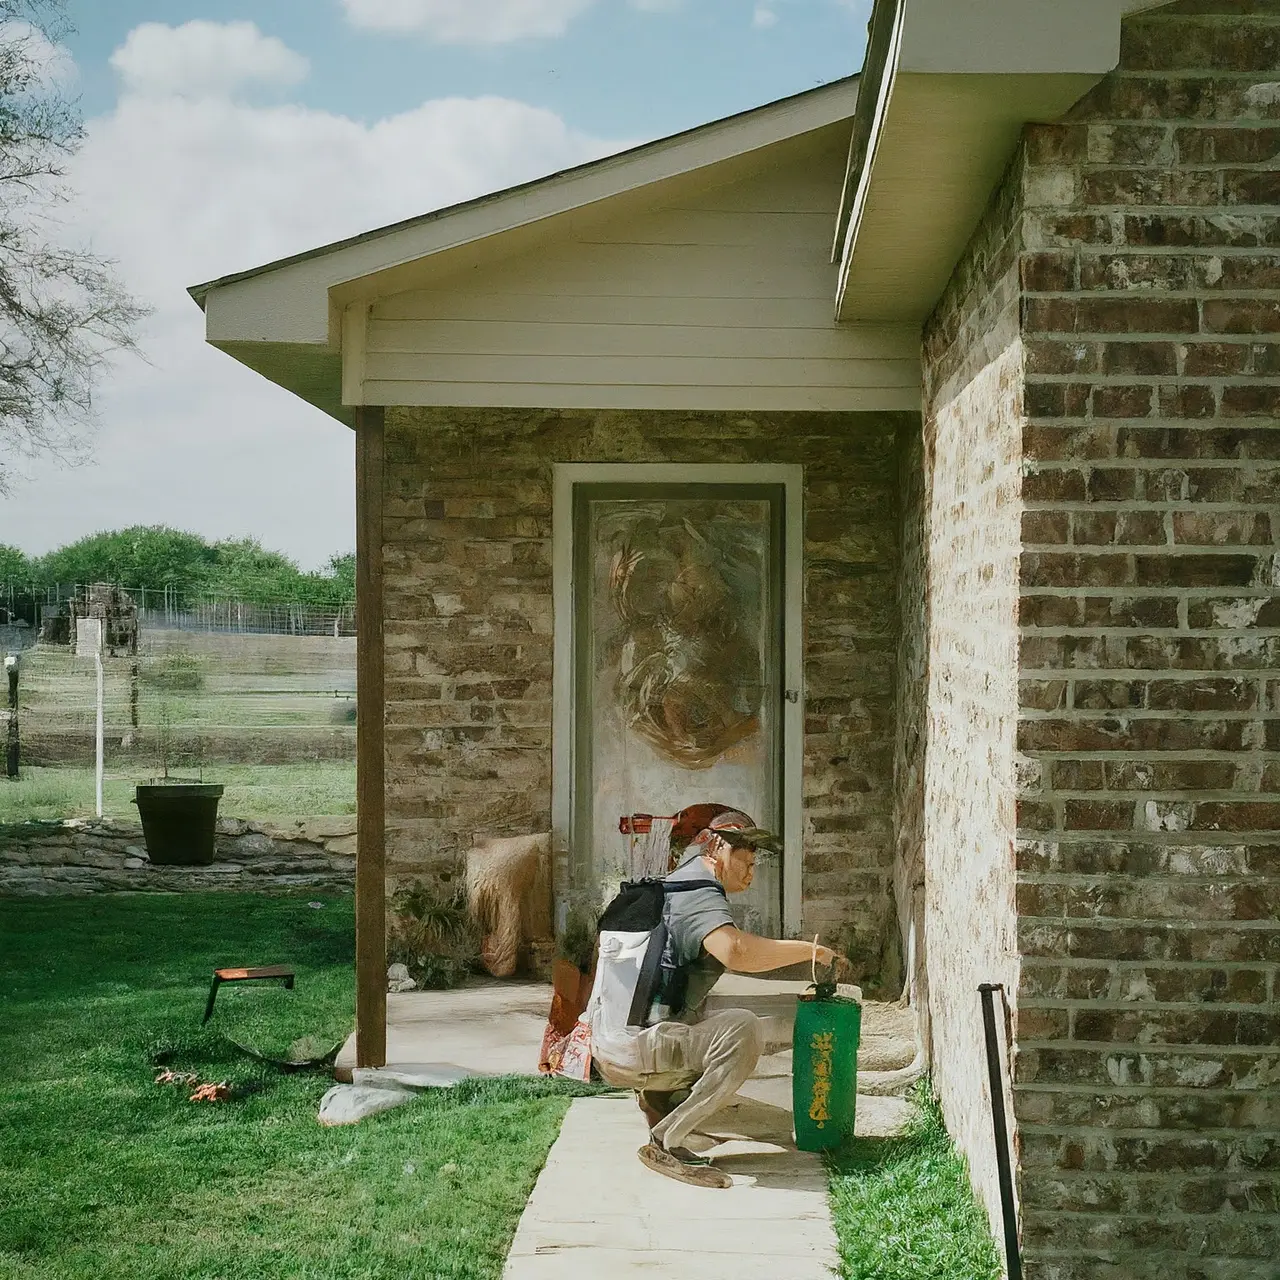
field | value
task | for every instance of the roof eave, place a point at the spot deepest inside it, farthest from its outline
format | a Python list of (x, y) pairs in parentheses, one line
[(947, 89)]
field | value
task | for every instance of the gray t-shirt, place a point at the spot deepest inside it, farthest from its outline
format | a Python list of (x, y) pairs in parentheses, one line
[(690, 917)]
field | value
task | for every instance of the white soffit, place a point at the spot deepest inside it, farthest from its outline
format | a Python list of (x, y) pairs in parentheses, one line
[(954, 82)]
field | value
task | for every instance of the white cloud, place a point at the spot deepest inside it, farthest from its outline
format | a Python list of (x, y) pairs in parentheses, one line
[(763, 17), (200, 58), (468, 21), (180, 189)]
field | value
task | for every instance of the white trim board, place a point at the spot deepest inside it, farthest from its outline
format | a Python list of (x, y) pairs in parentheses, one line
[(791, 478)]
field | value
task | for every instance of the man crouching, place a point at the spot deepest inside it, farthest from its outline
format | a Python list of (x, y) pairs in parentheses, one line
[(684, 1067)]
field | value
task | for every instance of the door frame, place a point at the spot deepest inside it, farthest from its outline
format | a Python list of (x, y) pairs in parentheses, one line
[(567, 476)]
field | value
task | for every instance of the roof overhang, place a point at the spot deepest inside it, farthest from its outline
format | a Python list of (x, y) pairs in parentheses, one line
[(947, 87), (285, 319)]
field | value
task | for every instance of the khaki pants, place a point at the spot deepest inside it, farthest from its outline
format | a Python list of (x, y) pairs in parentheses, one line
[(716, 1057)]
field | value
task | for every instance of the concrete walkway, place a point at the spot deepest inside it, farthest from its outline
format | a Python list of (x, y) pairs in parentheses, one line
[(597, 1212)]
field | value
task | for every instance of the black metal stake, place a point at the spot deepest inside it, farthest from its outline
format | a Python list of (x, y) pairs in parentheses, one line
[(12, 749), (1013, 1256)]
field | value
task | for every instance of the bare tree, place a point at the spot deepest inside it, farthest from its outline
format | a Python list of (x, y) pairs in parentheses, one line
[(62, 310)]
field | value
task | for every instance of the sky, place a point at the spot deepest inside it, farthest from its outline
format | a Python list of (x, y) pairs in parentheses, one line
[(225, 133)]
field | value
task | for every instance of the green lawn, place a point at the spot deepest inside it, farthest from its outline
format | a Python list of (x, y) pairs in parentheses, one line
[(252, 791), (105, 1175), (903, 1208)]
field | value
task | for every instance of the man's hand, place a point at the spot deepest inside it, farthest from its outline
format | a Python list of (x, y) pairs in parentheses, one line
[(827, 958)]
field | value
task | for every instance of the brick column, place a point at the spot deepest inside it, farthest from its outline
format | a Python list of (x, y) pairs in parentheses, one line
[(1148, 1070)]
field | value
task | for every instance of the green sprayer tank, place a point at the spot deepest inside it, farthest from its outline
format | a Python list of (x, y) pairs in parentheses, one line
[(824, 1067)]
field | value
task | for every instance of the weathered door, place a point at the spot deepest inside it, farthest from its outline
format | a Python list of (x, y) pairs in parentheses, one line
[(678, 686)]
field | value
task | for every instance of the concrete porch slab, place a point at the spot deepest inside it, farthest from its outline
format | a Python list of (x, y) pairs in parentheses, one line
[(482, 1028)]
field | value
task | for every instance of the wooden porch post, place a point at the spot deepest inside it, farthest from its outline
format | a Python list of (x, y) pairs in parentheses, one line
[(371, 941)]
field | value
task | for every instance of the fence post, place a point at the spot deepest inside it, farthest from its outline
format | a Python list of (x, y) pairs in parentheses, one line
[(11, 754)]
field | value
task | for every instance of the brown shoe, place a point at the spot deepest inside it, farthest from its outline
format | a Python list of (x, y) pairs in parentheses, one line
[(660, 1160)]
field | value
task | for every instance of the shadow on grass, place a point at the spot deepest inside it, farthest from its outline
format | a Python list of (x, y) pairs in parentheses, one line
[(903, 1208)]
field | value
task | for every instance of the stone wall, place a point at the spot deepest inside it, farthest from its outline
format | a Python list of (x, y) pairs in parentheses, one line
[(82, 856), (1147, 1064), (968, 526), (468, 594)]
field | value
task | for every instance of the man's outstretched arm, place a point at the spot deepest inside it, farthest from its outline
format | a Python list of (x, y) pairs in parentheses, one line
[(747, 953)]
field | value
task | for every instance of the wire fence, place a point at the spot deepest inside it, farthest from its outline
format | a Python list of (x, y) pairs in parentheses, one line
[(176, 607), (188, 698)]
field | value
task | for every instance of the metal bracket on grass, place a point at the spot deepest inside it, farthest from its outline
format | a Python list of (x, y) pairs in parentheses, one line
[(281, 971)]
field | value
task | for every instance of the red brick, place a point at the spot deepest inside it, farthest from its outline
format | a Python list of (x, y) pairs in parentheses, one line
[(1216, 614), (1241, 315), (1221, 528), (1051, 271), (1098, 815), (1131, 735), (1046, 356), (1178, 230), (1123, 401), (1144, 359), (1045, 527), (1053, 486), (1202, 695), (1107, 695), (1227, 146), (1042, 695), (1141, 441), (1055, 144), (1106, 484), (1254, 399), (1056, 399), (1112, 315), (1232, 485), (1187, 402), (1111, 143), (1034, 815), (1251, 187), (1045, 442), (1055, 569), (1215, 359), (1195, 570), (1222, 816)]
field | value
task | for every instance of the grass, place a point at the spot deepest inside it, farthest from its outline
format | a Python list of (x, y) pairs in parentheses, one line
[(252, 791), (903, 1208), (105, 1175)]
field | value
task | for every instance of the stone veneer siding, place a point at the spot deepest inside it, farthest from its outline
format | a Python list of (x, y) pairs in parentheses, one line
[(468, 605), (1147, 1065)]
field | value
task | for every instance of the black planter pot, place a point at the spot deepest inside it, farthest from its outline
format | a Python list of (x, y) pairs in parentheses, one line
[(178, 821)]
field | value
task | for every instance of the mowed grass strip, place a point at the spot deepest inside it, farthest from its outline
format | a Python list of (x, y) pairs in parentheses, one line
[(312, 788), (903, 1208), (104, 1174)]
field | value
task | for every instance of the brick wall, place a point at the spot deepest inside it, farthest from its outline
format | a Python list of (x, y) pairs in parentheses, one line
[(469, 628), (1148, 1089), (968, 525), (1148, 1040)]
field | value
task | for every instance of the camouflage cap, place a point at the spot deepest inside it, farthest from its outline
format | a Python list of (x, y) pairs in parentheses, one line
[(737, 829)]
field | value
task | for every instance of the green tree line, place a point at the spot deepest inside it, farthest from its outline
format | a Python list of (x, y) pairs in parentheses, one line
[(155, 557)]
